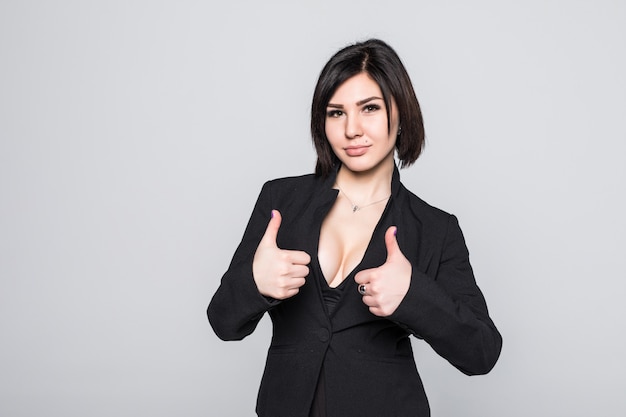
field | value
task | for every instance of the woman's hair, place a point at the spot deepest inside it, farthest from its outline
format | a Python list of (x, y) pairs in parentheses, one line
[(384, 66)]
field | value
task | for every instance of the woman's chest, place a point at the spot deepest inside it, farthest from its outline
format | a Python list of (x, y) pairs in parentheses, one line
[(344, 239)]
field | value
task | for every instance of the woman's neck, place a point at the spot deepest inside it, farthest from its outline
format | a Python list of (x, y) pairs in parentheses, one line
[(364, 187)]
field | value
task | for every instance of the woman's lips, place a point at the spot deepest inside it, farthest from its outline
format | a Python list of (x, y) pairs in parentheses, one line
[(356, 150)]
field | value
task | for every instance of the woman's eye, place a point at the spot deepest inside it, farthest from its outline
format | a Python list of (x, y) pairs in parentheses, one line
[(371, 108), (334, 113)]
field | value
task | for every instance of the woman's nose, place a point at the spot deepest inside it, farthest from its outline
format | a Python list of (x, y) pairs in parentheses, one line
[(353, 127)]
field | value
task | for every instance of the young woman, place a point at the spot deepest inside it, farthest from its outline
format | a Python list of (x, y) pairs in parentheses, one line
[(349, 263)]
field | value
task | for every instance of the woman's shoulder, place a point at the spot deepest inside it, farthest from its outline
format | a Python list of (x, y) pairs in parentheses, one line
[(292, 184), (424, 210), (291, 181), (294, 192)]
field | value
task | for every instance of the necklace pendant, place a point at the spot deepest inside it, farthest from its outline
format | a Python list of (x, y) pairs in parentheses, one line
[(355, 208)]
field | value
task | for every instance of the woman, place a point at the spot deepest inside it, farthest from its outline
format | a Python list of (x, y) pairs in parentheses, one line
[(349, 263)]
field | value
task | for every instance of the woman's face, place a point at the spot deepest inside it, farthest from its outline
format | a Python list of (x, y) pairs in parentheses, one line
[(356, 125)]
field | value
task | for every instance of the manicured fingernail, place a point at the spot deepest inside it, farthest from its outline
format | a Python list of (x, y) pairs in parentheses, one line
[(395, 231), (272, 214)]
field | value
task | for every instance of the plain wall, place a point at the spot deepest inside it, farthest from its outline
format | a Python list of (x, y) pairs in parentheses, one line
[(135, 137)]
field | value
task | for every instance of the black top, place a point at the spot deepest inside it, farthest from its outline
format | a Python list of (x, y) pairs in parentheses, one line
[(331, 295)]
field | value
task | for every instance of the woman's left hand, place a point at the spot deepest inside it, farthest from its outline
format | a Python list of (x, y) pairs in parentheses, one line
[(386, 286)]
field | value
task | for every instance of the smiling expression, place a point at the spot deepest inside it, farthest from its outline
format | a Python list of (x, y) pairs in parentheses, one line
[(356, 125)]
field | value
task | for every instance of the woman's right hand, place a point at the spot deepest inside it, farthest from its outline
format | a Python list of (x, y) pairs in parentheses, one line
[(278, 273)]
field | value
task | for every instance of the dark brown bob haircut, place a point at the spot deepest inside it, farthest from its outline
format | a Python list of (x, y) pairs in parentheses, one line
[(384, 66)]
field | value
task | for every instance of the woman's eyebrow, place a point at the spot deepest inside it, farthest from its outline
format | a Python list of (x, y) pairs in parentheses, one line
[(358, 103)]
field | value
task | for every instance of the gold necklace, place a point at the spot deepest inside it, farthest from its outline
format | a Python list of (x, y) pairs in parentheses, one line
[(356, 207)]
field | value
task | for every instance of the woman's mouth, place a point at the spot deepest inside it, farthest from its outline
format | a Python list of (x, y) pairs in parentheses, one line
[(357, 150)]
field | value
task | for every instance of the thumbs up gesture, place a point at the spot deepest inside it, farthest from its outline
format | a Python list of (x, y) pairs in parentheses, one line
[(383, 288), (278, 273)]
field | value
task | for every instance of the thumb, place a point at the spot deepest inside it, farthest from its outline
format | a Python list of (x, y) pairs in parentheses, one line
[(272, 228), (391, 243)]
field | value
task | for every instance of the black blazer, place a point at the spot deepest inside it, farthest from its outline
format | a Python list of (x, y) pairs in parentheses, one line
[(368, 361)]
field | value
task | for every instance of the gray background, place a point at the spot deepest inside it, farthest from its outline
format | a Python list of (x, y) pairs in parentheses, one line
[(135, 136)]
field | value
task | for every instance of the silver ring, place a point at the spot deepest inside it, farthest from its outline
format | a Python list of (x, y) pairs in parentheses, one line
[(362, 289)]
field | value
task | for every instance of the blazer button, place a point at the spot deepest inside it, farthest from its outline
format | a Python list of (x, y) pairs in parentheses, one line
[(323, 335)]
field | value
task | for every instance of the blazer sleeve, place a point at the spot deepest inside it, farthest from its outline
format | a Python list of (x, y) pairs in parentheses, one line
[(237, 306), (449, 311)]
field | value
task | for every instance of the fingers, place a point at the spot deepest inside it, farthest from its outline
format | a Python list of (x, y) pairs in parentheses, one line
[(386, 285), (269, 238), (362, 277), (278, 273), (369, 276), (271, 232), (391, 243), (295, 271), (297, 257)]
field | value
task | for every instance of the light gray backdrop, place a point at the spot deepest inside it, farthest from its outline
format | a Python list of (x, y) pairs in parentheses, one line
[(135, 136)]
